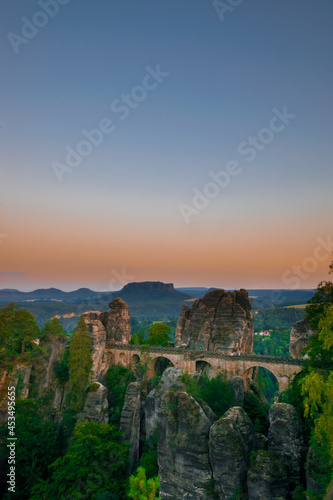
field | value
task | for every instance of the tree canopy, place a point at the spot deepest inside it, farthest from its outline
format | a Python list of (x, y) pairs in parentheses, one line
[(159, 334), (80, 364), (18, 328), (95, 463)]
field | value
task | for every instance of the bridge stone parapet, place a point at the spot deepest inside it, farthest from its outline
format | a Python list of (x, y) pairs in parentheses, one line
[(284, 368)]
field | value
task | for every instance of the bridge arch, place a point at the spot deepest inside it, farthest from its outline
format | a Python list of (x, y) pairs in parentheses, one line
[(203, 366), (159, 365), (269, 382), (122, 359), (135, 358)]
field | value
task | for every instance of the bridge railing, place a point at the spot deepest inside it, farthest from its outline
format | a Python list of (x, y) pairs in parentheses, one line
[(194, 354)]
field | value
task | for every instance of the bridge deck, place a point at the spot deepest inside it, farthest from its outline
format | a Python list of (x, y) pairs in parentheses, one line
[(191, 354)]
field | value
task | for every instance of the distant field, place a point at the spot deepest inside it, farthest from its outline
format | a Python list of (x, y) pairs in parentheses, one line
[(300, 306)]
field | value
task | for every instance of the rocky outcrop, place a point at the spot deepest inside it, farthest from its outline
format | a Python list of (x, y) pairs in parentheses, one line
[(267, 478), (117, 322), (171, 380), (43, 372), (220, 321), (285, 438), (130, 421), (96, 407), (183, 455), (97, 332), (300, 336), (114, 326), (231, 440)]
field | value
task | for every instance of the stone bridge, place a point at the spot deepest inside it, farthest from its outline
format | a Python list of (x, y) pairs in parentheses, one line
[(212, 363)]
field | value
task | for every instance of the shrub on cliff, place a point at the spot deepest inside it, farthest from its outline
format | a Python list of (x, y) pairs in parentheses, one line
[(216, 392)]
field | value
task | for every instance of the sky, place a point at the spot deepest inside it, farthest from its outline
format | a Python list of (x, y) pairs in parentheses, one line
[(186, 142)]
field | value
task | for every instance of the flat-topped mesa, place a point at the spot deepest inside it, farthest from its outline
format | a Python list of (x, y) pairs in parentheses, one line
[(219, 321)]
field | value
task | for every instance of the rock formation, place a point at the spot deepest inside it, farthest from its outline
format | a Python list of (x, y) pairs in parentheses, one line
[(96, 407), (183, 455), (130, 421), (300, 336), (114, 326), (231, 441), (220, 321), (171, 380), (117, 322), (285, 438), (43, 372), (267, 478)]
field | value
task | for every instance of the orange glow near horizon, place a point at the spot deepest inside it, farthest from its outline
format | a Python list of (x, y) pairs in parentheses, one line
[(73, 254)]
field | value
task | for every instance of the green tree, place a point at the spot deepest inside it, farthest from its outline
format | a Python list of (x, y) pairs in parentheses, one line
[(159, 334), (54, 328), (36, 448), (138, 337), (61, 368), (216, 392), (140, 488), (149, 457), (95, 463), (116, 380), (317, 385), (322, 297), (80, 364), (18, 330)]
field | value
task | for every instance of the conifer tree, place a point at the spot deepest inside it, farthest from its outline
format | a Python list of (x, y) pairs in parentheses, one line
[(80, 364)]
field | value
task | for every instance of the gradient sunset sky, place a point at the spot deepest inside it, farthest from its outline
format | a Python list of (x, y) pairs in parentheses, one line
[(119, 215)]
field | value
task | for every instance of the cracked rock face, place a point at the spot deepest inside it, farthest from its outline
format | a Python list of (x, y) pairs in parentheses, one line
[(117, 322), (231, 440), (183, 455), (130, 421), (96, 405), (300, 336), (219, 321), (113, 325), (267, 478), (285, 438)]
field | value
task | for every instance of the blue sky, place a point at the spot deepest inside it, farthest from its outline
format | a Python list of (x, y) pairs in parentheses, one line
[(225, 78)]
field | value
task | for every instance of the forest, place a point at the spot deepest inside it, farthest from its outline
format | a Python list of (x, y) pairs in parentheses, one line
[(63, 456)]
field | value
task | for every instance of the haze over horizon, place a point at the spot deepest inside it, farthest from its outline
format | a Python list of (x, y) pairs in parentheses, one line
[(214, 167)]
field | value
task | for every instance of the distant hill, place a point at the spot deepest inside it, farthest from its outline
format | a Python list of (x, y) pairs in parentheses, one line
[(195, 292), (148, 301), (152, 300), (7, 295), (150, 290)]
